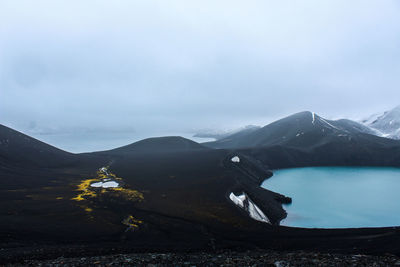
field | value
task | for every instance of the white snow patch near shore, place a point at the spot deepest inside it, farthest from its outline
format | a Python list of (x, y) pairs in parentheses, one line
[(256, 213), (235, 159), (244, 202), (238, 200), (105, 184)]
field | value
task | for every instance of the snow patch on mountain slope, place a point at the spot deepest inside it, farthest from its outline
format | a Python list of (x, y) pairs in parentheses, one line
[(235, 159), (244, 202), (330, 125), (386, 124)]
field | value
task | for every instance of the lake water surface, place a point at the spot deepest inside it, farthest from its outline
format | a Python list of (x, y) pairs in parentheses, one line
[(339, 197)]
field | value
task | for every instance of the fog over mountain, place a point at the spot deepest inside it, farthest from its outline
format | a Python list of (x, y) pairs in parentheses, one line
[(149, 68), (386, 124)]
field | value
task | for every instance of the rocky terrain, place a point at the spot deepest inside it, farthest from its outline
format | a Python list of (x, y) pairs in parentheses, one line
[(222, 258)]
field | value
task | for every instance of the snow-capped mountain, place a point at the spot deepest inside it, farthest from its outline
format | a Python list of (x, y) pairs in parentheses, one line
[(304, 129), (387, 124)]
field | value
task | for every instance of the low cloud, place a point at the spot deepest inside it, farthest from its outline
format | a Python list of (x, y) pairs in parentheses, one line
[(187, 65)]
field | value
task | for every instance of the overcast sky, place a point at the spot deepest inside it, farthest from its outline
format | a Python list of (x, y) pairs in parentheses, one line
[(164, 66)]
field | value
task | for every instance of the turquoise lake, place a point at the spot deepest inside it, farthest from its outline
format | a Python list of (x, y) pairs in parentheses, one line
[(339, 197)]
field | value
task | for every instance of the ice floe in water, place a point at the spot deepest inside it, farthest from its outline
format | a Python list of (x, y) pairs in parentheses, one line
[(235, 159), (244, 202), (107, 184)]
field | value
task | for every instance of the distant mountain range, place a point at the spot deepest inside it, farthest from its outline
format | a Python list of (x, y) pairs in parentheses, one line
[(304, 129), (282, 131)]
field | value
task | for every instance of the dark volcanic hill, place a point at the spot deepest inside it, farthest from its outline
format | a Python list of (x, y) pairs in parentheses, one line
[(18, 148), (303, 130), (166, 144)]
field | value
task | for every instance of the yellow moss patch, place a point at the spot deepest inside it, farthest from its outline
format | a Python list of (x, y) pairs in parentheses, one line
[(101, 175), (129, 194), (82, 196), (112, 175), (84, 187), (86, 191), (87, 209), (132, 222)]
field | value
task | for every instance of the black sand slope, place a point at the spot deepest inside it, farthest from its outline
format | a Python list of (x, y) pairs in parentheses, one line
[(18, 148), (171, 194)]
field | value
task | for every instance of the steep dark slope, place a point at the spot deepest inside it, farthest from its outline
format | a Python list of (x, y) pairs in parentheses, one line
[(29, 164), (19, 149)]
